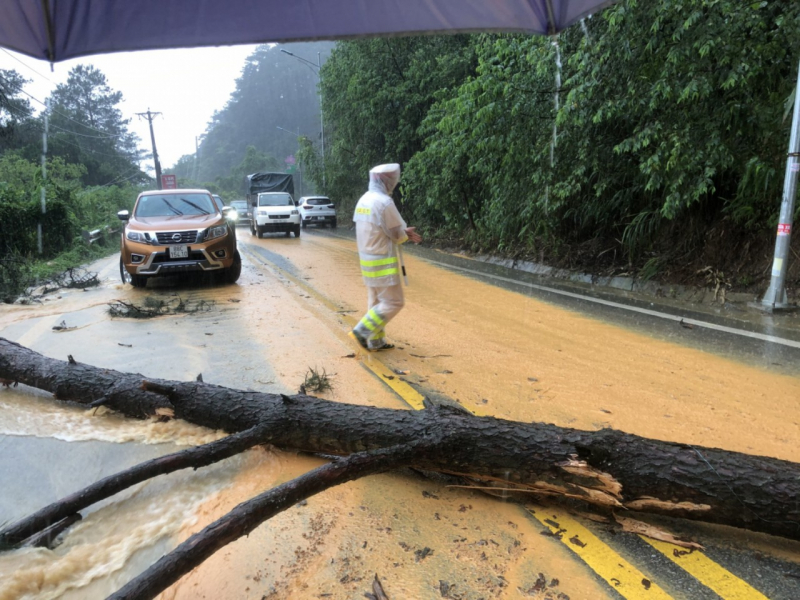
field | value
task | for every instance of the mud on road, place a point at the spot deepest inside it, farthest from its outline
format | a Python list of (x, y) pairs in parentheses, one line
[(492, 350)]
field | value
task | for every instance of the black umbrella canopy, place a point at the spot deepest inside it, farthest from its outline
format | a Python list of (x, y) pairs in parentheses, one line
[(57, 30)]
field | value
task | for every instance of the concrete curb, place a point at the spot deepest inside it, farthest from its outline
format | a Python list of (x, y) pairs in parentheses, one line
[(650, 288)]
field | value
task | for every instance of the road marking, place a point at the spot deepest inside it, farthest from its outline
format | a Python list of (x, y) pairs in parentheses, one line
[(645, 311), (706, 571), (411, 396), (628, 581)]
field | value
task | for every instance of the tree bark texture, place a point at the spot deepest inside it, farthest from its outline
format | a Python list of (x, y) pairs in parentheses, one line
[(605, 468)]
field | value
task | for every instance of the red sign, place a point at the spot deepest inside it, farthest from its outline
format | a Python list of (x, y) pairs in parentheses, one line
[(169, 182), (784, 229)]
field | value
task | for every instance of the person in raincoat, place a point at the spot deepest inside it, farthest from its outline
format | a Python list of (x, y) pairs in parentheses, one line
[(379, 231)]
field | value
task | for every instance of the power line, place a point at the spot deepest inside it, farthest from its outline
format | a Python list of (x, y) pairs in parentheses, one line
[(97, 137), (27, 66), (55, 112)]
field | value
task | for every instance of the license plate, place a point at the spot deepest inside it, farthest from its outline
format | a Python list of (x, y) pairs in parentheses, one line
[(319, 218), (181, 251)]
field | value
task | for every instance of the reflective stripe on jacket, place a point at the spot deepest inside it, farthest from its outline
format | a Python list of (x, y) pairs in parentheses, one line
[(379, 270), (379, 228)]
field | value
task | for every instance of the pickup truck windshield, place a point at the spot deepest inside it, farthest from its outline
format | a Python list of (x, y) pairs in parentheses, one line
[(164, 205), (275, 200)]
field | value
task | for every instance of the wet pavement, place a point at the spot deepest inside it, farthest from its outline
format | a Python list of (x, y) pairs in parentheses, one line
[(494, 340)]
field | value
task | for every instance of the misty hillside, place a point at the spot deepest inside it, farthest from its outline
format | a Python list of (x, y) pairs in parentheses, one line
[(275, 94)]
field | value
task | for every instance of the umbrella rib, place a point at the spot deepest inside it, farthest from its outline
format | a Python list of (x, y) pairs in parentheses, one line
[(49, 24), (551, 18)]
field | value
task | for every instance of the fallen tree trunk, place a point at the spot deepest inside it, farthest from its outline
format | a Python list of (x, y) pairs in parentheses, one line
[(606, 468)]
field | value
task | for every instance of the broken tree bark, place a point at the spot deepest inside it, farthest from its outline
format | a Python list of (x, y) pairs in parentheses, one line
[(606, 468)]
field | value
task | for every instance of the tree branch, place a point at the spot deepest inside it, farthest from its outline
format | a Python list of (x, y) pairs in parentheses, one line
[(247, 516)]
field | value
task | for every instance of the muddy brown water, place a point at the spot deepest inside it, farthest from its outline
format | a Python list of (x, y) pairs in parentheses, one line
[(495, 351)]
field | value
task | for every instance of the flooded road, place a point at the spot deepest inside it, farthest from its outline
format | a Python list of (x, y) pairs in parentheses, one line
[(495, 350)]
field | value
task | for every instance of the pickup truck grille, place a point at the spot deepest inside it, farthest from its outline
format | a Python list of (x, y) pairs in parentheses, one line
[(279, 216), (177, 237)]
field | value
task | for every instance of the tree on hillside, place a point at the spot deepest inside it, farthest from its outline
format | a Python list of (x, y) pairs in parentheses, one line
[(275, 92), (17, 127), (376, 94), (670, 121), (88, 128)]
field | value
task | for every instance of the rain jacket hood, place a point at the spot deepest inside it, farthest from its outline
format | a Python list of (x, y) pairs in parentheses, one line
[(384, 178)]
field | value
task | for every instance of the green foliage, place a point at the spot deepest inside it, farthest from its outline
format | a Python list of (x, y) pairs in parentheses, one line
[(671, 110), (376, 94), (316, 381), (87, 128)]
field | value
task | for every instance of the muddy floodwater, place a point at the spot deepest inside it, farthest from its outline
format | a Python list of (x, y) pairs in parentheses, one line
[(495, 351)]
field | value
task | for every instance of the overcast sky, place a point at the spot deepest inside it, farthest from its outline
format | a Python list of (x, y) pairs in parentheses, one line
[(185, 85)]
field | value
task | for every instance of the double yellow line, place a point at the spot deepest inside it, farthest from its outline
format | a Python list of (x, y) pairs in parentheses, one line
[(627, 580)]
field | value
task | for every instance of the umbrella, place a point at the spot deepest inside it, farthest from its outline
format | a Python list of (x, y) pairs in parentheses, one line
[(57, 30)]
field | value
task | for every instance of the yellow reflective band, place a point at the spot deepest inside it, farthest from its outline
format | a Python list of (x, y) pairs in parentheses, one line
[(368, 324), (379, 262), (363, 211), (374, 316), (383, 273)]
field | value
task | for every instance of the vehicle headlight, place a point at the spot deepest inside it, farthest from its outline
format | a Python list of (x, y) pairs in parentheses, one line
[(233, 215), (263, 212), (135, 236), (295, 212), (216, 232)]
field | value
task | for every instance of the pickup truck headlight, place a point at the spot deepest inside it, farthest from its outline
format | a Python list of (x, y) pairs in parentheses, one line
[(216, 232), (136, 236), (295, 212)]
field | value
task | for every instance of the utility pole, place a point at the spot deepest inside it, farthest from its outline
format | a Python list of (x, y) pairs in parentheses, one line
[(39, 235), (150, 116), (775, 299), (318, 68), (196, 152)]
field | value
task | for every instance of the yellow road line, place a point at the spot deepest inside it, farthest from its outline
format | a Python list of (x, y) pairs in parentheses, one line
[(706, 571), (411, 396), (626, 579)]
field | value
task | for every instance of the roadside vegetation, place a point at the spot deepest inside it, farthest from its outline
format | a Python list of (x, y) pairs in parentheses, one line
[(91, 172), (664, 153)]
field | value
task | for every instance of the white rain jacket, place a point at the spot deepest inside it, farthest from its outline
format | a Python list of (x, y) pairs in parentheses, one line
[(380, 228)]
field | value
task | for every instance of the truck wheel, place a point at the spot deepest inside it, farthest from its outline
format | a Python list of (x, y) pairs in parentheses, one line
[(137, 281), (297, 231), (305, 224), (259, 233), (288, 233), (233, 272)]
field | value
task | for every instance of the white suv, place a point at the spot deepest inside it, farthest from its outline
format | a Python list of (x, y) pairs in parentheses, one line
[(317, 210), (275, 211)]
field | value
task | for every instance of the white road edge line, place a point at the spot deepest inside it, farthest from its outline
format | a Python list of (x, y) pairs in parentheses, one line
[(644, 311)]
